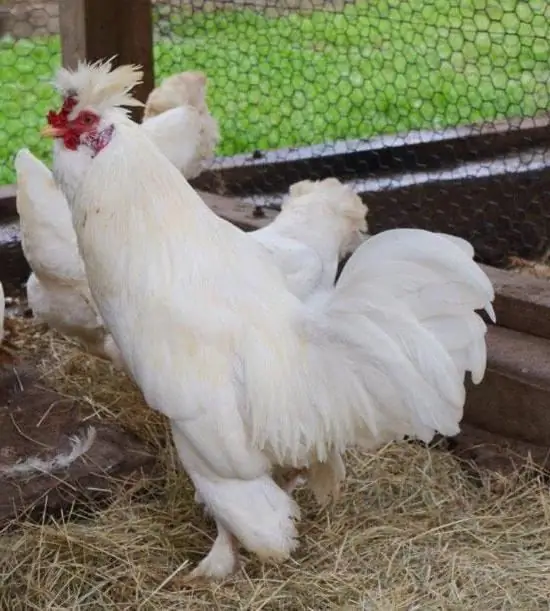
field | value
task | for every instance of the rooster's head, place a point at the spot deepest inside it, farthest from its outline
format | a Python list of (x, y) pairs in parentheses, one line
[(90, 93)]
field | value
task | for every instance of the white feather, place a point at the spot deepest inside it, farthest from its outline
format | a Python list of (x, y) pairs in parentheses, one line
[(177, 118), (57, 289), (319, 223), (34, 464), (179, 134)]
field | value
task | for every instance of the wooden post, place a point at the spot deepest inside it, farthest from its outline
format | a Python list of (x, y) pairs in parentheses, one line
[(73, 34), (100, 29)]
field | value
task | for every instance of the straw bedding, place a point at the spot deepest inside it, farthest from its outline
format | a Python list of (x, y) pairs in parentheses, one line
[(414, 530)]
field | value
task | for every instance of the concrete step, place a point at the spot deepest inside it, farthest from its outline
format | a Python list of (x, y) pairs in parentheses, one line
[(491, 452), (522, 302), (514, 398)]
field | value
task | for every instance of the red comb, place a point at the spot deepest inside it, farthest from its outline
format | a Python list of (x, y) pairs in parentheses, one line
[(59, 119)]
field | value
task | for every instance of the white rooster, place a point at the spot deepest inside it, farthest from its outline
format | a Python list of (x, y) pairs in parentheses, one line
[(57, 289), (250, 376), (320, 222), (178, 121)]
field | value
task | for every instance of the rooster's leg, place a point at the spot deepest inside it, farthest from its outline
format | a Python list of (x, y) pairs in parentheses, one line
[(222, 560), (297, 478)]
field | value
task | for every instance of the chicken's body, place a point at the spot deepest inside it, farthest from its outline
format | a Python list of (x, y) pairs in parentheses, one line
[(250, 376), (57, 289), (319, 223), (178, 121)]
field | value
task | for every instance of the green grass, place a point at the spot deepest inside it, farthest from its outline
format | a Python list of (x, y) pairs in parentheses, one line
[(380, 66)]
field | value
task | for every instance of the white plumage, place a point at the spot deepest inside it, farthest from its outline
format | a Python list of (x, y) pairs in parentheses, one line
[(57, 289), (177, 119), (250, 376), (319, 223)]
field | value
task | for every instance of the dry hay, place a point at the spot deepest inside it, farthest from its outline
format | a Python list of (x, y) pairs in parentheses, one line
[(412, 531), (538, 269)]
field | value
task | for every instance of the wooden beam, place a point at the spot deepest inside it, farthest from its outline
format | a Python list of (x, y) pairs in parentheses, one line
[(514, 398), (100, 29), (522, 302), (264, 172), (72, 30)]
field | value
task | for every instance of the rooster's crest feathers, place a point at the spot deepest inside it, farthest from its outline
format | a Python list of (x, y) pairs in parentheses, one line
[(97, 85)]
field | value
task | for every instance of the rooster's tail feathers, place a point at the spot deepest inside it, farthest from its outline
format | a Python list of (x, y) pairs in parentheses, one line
[(421, 290)]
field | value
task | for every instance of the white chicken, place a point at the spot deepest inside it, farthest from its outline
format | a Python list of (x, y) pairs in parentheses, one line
[(250, 376), (319, 223), (57, 289), (178, 121)]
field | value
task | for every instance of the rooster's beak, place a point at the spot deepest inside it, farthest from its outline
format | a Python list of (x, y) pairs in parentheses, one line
[(51, 132)]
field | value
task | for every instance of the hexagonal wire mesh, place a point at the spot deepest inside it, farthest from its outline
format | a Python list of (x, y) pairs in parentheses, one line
[(288, 76), (29, 55), (289, 73), (301, 72)]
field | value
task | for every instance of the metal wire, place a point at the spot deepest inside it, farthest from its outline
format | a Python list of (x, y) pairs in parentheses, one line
[(336, 74), (29, 56), (339, 74), (295, 72)]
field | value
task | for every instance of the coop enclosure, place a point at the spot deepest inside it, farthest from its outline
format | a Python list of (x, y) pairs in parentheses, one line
[(435, 111)]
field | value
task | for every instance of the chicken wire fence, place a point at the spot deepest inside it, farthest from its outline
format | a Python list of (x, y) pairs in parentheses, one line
[(283, 76), (333, 73), (289, 73), (30, 52)]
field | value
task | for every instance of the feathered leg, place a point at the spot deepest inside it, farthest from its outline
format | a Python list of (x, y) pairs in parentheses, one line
[(294, 479), (325, 478), (221, 561), (255, 511)]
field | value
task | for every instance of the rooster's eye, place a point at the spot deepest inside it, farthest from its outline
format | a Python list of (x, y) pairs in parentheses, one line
[(87, 119)]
